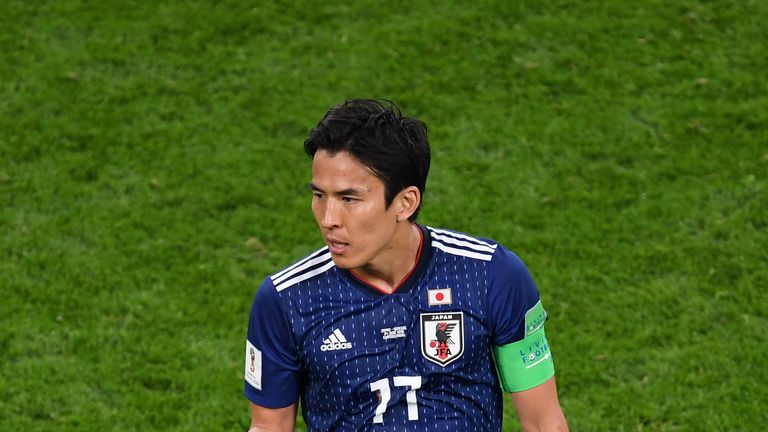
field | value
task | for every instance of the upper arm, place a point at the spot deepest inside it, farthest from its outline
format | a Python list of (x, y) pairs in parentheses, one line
[(538, 408), (521, 351), (520, 348), (265, 419), (512, 293), (272, 360)]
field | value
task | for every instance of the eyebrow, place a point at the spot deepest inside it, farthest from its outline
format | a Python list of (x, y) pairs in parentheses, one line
[(347, 191)]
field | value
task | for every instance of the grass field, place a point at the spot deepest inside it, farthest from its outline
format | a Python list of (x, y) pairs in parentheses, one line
[(151, 174)]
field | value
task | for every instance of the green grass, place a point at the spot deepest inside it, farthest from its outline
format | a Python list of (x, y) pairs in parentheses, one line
[(151, 174)]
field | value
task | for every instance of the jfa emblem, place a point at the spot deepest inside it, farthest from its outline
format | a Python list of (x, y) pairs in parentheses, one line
[(442, 336)]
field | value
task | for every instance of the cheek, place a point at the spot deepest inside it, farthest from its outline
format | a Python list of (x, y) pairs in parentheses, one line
[(377, 226), (317, 208)]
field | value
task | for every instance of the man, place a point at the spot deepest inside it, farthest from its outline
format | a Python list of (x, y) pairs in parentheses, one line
[(394, 326)]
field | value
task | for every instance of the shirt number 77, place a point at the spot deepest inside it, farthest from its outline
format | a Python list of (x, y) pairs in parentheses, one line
[(382, 386)]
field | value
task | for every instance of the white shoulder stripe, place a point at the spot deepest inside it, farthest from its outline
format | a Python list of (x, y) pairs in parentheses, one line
[(461, 252), (305, 265), (461, 236), (303, 276), (474, 246), (300, 262), (301, 268)]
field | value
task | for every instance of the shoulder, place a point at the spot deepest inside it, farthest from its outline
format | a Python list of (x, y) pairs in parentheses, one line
[(312, 266), (501, 261), (273, 293), (463, 245)]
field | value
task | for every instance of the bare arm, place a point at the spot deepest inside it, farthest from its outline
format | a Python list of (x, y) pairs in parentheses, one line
[(272, 419), (539, 409)]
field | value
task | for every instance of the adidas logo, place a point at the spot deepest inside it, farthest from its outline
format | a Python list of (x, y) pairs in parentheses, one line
[(336, 341)]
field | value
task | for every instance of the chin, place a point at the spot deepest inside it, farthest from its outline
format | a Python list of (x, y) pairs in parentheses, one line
[(341, 263), (347, 263)]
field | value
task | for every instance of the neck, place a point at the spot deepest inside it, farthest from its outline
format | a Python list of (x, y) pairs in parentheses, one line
[(393, 267)]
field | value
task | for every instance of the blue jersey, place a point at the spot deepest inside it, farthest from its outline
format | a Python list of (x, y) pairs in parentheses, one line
[(414, 360)]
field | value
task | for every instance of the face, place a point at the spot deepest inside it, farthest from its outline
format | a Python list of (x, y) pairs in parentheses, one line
[(349, 207)]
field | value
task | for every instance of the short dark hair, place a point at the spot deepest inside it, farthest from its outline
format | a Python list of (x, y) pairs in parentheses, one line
[(375, 133)]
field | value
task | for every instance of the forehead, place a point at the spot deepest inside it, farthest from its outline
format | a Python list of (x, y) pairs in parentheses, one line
[(335, 171)]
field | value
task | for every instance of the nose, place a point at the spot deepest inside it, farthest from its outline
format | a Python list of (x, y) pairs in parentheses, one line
[(329, 216)]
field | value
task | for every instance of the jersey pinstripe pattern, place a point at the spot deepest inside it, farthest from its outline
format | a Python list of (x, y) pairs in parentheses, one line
[(321, 334)]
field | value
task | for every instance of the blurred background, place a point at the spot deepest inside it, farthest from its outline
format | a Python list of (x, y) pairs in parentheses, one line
[(152, 174)]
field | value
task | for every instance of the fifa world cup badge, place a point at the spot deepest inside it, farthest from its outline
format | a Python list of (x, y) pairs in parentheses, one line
[(442, 336)]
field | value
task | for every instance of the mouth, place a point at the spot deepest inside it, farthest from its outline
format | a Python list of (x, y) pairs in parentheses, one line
[(336, 247)]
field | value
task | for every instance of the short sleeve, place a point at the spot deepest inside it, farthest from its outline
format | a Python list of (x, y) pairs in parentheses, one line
[(511, 294), (271, 358), (521, 351)]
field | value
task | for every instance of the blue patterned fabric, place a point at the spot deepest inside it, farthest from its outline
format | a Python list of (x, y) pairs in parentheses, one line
[(362, 360)]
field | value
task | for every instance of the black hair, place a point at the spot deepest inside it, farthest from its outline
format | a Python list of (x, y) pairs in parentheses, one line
[(375, 133)]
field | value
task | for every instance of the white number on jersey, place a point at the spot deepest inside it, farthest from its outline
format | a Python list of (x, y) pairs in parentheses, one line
[(382, 386)]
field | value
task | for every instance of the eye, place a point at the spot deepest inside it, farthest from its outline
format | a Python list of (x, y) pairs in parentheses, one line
[(348, 199), (317, 195)]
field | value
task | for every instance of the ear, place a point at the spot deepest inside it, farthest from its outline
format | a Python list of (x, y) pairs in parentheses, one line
[(408, 201)]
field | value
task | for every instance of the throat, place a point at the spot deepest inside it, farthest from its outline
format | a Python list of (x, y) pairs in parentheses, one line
[(388, 282)]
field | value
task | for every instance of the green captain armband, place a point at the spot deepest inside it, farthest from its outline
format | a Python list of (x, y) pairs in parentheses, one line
[(528, 362)]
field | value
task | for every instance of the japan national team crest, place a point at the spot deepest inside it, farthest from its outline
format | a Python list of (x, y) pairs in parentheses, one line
[(442, 336)]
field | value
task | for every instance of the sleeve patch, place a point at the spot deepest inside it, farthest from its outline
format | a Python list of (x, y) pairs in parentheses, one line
[(535, 318), (252, 365)]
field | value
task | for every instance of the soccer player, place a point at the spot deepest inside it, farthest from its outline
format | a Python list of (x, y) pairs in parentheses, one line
[(392, 325)]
